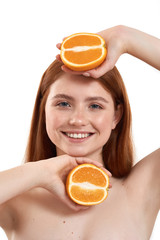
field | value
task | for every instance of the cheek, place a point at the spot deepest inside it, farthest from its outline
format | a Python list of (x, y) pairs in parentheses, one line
[(104, 121), (53, 122)]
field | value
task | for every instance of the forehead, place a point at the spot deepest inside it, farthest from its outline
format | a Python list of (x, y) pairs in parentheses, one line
[(77, 85)]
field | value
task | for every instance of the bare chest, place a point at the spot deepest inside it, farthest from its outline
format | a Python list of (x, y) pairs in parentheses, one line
[(48, 219)]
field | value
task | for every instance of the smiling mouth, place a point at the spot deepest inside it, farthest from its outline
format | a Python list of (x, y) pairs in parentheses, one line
[(77, 135)]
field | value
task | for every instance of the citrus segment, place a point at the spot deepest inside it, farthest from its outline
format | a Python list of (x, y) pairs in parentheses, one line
[(82, 39), (87, 184), (83, 57), (83, 51), (84, 196), (90, 175)]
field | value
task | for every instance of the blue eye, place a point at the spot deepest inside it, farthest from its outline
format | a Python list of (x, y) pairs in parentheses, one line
[(95, 106), (63, 104)]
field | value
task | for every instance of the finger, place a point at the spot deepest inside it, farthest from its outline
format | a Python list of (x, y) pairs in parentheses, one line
[(107, 172), (58, 57), (64, 38), (110, 185), (106, 66), (81, 160), (58, 45)]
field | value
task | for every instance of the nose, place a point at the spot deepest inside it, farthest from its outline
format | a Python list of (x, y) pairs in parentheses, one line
[(78, 118)]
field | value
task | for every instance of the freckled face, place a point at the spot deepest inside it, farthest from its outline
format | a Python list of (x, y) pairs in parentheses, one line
[(80, 116)]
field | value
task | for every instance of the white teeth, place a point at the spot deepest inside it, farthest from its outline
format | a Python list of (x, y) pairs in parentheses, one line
[(77, 135)]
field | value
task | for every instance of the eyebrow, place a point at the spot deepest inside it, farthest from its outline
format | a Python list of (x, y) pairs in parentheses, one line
[(97, 98), (88, 99), (64, 96)]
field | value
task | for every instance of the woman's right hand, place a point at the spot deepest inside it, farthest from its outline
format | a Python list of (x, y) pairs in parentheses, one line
[(50, 174), (55, 171)]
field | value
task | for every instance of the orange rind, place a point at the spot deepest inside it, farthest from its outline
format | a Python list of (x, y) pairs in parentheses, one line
[(83, 51), (87, 184)]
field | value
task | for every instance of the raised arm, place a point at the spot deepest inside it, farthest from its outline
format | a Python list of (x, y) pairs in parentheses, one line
[(143, 46), (120, 40)]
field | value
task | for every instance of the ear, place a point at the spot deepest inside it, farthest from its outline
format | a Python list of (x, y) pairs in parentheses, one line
[(117, 115)]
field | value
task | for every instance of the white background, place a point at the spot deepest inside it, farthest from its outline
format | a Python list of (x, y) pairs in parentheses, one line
[(29, 31)]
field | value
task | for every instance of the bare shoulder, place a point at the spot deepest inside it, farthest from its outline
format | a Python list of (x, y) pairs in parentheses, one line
[(6, 218), (13, 210), (145, 178), (9, 214)]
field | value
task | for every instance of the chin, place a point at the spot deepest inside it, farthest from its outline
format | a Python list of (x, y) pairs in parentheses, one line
[(81, 152), (77, 153)]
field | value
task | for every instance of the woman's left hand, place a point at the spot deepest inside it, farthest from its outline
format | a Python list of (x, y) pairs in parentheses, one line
[(115, 48), (119, 40)]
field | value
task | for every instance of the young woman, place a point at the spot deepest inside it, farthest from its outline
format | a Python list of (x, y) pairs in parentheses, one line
[(77, 118)]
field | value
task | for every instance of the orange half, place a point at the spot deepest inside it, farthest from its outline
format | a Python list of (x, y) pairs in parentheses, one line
[(87, 184), (83, 51)]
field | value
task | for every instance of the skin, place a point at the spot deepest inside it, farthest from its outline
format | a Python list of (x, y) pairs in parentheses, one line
[(34, 204), (67, 111)]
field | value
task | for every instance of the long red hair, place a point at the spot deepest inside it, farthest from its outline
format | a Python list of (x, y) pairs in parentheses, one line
[(117, 152)]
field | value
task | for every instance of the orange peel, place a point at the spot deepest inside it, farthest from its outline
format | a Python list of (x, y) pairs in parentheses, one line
[(87, 184), (83, 51)]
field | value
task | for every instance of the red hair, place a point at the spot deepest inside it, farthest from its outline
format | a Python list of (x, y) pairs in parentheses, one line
[(117, 152)]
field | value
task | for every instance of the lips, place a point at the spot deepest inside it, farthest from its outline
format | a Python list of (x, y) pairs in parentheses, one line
[(77, 135)]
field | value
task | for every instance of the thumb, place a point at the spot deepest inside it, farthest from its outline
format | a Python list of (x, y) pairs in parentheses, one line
[(106, 66)]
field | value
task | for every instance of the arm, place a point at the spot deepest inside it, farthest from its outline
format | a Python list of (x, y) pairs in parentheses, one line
[(120, 40), (49, 174), (143, 183), (143, 46), (18, 180), (14, 182)]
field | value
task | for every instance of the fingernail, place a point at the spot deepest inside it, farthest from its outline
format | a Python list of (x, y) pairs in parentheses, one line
[(86, 74)]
